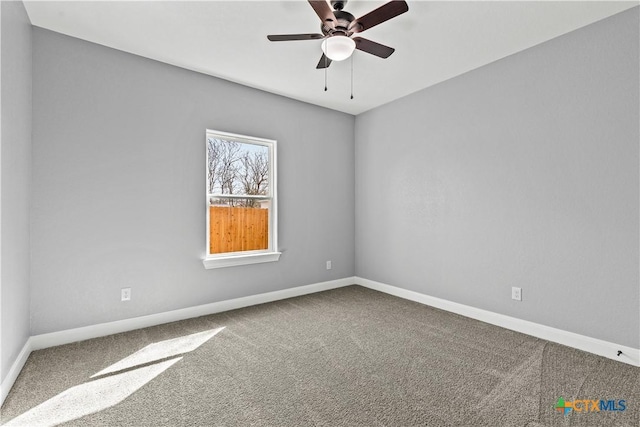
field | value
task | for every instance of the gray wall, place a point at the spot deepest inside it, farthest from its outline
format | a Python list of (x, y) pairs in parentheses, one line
[(15, 189), (119, 185), (521, 173)]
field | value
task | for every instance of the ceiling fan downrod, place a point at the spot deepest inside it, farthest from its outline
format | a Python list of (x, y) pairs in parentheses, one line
[(338, 4)]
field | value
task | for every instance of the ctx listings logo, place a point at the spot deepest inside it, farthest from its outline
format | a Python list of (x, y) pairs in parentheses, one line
[(588, 405)]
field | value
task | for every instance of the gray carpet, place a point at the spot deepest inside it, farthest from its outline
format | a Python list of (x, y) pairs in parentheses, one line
[(346, 357)]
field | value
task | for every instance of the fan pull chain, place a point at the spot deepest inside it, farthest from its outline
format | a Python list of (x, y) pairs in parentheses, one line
[(352, 76), (325, 73)]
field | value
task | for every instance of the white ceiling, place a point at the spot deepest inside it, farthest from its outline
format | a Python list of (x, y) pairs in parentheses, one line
[(434, 40)]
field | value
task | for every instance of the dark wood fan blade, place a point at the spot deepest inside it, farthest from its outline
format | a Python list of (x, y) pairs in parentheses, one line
[(324, 12), (289, 37), (379, 15), (373, 48), (324, 62)]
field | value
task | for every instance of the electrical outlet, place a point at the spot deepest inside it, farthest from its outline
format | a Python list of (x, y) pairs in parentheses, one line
[(125, 294), (516, 293), (328, 265)]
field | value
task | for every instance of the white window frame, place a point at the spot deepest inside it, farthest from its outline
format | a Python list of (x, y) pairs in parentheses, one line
[(271, 254)]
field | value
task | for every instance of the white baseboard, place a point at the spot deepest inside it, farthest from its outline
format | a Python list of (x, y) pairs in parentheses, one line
[(15, 370), (94, 331), (606, 349)]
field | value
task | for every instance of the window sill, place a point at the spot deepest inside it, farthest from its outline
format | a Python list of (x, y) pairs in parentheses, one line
[(234, 260)]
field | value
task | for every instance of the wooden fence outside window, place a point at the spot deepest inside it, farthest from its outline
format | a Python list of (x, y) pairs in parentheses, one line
[(235, 229)]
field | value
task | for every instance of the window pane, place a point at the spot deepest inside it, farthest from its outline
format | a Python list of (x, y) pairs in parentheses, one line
[(237, 224), (237, 167)]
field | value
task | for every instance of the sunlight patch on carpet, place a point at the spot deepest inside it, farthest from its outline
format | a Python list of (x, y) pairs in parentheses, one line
[(161, 350), (91, 397), (129, 375)]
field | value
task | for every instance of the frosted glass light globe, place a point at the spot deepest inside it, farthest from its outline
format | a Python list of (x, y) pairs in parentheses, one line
[(338, 48)]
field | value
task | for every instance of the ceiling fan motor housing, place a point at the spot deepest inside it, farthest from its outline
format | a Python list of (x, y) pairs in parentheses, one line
[(341, 24)]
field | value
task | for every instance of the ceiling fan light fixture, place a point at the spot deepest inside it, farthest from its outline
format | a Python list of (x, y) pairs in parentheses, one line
[(338, 48)]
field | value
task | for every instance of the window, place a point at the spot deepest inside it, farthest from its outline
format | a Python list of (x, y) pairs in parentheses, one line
[(241, 200)]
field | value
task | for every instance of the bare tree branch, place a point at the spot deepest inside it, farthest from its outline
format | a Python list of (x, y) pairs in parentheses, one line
[(234, 169)]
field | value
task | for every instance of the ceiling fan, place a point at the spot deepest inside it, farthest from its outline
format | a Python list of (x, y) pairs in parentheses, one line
[(339, 26)]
